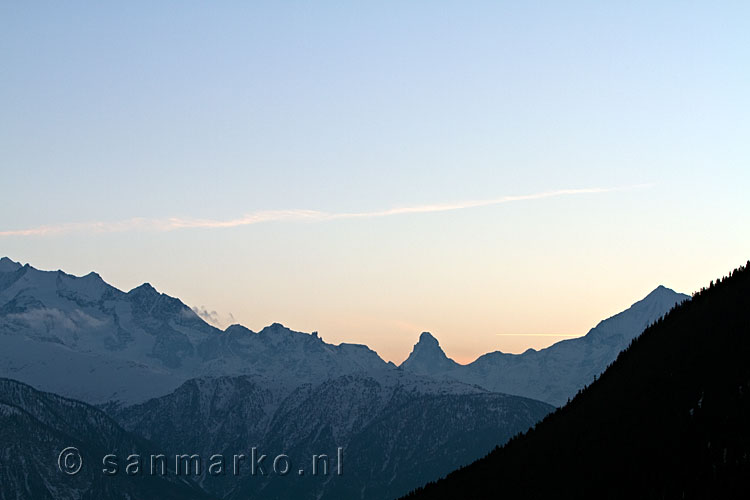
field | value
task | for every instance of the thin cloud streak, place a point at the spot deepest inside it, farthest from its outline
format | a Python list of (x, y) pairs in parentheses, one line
[(175, 223)]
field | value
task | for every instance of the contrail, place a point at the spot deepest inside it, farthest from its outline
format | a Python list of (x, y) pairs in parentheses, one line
[(173, 223)]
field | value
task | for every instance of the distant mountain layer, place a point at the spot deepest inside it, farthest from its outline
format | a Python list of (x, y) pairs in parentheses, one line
[(174, 380), (82, 338), (37, 426), (553, 374), (397, 430), (669, 419)]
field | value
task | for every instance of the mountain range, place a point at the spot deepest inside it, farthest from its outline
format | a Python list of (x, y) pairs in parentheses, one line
[(553, 374), (396, 430), (180, 385), (669, 419), (83, 338), (37, 426)]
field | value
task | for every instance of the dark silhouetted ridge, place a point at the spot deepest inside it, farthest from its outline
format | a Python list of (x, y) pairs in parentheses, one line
[(670, 418)]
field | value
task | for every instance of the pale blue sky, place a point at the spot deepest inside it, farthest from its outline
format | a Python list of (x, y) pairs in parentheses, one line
[(195, 111)]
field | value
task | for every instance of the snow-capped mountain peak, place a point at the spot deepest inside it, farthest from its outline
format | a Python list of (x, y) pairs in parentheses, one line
[(144, 289), (275, 329), (555, 373), (427, 339), (427, 356), (632, 321), (81, 337), (237, 329), (8, 266), (660, 293)]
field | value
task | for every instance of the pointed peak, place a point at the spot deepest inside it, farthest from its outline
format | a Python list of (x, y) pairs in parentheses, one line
[(427, 356), (427, 339), (275, 328), (663, 294), (145, 288), (660, 290), (638, 316), (8, 266)]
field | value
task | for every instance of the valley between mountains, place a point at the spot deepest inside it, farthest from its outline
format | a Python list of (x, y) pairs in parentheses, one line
[(163, 379)]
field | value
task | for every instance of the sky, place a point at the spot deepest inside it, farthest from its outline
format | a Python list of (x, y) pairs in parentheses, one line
[(501, 174)]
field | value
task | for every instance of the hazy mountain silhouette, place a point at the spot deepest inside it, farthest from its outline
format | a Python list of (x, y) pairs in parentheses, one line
[(226, 391), (171, 378), (669, 419), (83, 338), (555, 373)]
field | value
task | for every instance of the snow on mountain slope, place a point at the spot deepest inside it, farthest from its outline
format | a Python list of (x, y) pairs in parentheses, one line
[(397, 428), (428, 357), (37, 426), (557, 372), (82, 338), (7, 265)]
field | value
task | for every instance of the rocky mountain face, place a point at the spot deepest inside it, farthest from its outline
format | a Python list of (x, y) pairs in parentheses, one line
[(394, 430), (82, 338), (37, 427), (428, 358), (668, 419), (553, 374), (174, 382)]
